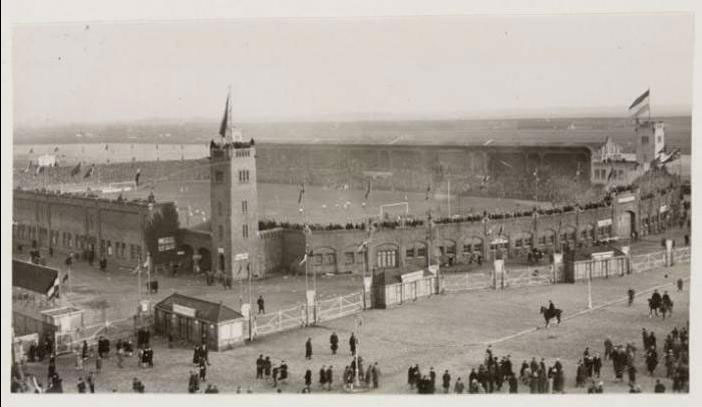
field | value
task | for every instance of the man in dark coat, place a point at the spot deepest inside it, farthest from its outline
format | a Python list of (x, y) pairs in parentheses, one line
[(631, 295), (308, 349), (329, 377), (432, 379), (513, 383), (446, 381), (259, 367), (308, 379), (334, 343), (660, 387), (410, 377), (322, 377), (352, 344), (261, 305), (267, 367)]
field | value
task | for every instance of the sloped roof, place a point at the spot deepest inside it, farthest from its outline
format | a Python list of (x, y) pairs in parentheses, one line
[(33, 277), (204, 310)]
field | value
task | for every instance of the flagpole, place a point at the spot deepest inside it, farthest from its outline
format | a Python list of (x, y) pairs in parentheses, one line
[(449, 198)]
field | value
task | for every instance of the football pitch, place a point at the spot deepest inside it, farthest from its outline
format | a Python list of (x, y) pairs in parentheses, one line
[(324, 205)]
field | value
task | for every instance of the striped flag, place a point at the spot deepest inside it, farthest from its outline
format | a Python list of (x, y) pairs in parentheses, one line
[(302, 193), (641, 104), (53, 291), (89, 172), (76, 170)]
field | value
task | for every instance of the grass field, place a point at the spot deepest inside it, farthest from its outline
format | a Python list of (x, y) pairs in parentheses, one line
[(446, 332), (324, 205)]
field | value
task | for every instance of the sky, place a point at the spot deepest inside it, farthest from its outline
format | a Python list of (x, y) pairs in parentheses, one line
[(351, 69)]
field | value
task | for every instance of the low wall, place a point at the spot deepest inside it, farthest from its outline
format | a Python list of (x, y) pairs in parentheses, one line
[(648, 261)]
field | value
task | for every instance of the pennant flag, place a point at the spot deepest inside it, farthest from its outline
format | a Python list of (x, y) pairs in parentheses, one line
[(499, 233), (89, 172), (302, 193), (76, 170), (225, 119), (304, 260), (368, 189), (137, 176), (53, 291), (640, 105), (640, 100), (428, 192)]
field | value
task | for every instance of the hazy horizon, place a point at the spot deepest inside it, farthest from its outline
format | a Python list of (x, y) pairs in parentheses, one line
[(364, 69)]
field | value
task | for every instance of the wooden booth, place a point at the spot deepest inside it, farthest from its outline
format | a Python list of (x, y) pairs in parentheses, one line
[(196, 321)]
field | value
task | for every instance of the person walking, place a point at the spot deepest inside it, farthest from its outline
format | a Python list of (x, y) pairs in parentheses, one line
[(261, 305), (308, 349), (308, 380), (91, 381), (459, 386), (329, 377), (659, 387), (375, 373), (259, 367), (81, 385), (631, 293), (352, 344), (322, 377), (334, 343), (446, 381)]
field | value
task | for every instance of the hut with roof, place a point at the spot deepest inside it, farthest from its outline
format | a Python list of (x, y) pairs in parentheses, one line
[(197, 321)]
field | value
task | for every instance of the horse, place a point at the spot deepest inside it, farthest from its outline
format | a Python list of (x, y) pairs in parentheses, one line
[(549, 315), (666, 307)]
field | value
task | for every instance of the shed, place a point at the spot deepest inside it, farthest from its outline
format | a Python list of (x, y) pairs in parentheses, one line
[(199, 321)]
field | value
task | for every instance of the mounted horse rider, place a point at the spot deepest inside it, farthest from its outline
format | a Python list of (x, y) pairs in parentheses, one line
[(654, 303), (550, 313)]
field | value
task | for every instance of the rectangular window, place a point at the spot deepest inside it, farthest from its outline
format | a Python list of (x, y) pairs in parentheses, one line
[(542, 240), (245, 231), (349, 258), (644, 140), (387, 258), (220, 230), (318, 259), (409, 253), (518, 243), (421, 251), (244, 207), (219, 176), (330, 258), (467, 248), (219, 208), (109, 248), (451, 249)]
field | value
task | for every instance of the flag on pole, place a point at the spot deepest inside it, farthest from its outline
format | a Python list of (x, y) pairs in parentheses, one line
[(137, 176), (225, 119), (641, 104), (368, 189), (611, 175), (53, 291), (428, 192), (89, 172), (499, 233), (76, 170), (29, 166), (362, 247), (302, 192)]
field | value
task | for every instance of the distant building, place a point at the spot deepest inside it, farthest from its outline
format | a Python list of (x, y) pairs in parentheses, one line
[(612, 167)]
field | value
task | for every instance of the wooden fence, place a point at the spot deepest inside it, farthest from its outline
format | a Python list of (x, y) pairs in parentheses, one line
[(604, 268), (400, 293)]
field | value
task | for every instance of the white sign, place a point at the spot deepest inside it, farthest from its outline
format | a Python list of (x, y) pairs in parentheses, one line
[(602, 255), (626, 199), (187, 311), (246, 311), (367, 282), (166, 243), (604, 222), (241, 256), (500, 240), (220, 250), (413, 276), (663, 208)]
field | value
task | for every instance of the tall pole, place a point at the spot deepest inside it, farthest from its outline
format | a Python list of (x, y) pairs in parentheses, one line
[(589, 287), (139, 277), (449, 198)]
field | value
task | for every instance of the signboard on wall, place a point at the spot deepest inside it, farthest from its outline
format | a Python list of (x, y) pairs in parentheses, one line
[(241, 256), (166, 243), (182, 310), (604, 222), (413, 276), (602, 255), (626, 199)]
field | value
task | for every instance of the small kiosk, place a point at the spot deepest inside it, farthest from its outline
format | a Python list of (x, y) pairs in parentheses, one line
[(198, 321)]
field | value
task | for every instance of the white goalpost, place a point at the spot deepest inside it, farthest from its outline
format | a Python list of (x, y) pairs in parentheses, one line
[(392, 205)]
